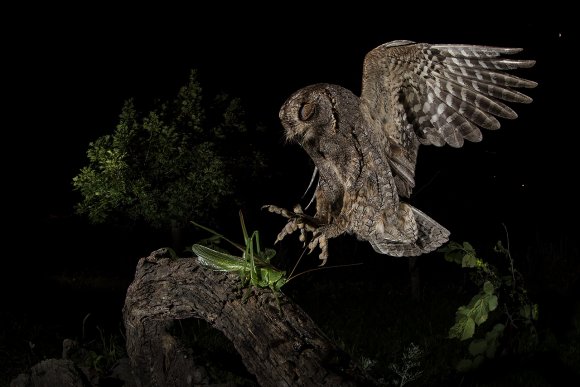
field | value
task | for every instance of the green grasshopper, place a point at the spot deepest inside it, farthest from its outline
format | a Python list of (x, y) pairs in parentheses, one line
[(254, 265)]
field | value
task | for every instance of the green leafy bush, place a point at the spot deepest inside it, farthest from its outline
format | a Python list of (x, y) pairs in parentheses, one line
[(168, 165), (504, 296)]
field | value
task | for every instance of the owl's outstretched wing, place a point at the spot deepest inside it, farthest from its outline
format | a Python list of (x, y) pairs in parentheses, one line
[(418, 93)]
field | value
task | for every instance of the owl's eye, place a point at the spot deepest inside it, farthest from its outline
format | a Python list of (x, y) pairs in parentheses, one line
[(307, 111)]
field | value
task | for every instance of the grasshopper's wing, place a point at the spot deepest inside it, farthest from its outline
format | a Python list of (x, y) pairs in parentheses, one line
[(217, 260)]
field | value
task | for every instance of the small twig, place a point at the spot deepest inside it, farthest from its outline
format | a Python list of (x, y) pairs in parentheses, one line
[(509, 255), (83, 328)]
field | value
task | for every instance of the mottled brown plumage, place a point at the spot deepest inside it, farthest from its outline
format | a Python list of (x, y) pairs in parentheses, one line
[(365, 148)]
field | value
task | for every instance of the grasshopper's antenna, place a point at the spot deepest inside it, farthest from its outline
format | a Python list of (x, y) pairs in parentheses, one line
[(297, 262), (290, 278), (236, 245)]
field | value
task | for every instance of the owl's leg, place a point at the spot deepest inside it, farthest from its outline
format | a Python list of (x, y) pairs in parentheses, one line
[(297, 220)]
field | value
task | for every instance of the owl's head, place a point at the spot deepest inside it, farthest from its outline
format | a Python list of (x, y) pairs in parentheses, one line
[(314, 112)]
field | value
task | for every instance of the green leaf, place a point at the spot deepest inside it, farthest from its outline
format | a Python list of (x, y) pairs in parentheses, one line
[(464, 365), (477, 361), (492, 339), (526, 311), (491, 349), (499, 248), (498, 329), (454, 256), (468, 329), (492, 303), (453, 252), (488, 287), (535, 312), (450, 246), (477, 347), (468, 248), (456, 331), (463, 329), (469, 260), (479, 309), (507, 280)]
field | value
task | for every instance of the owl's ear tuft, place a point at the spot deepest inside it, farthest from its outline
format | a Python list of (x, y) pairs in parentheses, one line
[(306, 111)]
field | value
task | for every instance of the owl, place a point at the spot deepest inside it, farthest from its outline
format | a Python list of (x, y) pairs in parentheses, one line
[(365, 148)]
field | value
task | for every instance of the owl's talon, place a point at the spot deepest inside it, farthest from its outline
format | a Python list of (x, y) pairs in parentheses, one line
[(323, 257), (319, 240), (298, 220)]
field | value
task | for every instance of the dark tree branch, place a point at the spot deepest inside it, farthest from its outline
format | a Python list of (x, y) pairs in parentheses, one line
[(280, 347)]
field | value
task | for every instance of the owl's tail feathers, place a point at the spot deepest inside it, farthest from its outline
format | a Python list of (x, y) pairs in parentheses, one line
[(430, 235)]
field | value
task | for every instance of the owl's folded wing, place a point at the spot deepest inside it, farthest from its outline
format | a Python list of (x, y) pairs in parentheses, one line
[(418, 93)]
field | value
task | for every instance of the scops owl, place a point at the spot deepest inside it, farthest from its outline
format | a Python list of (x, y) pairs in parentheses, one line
[(365, 148)]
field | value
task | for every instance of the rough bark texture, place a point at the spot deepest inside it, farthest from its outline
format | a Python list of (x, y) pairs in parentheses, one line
[(280, 347)]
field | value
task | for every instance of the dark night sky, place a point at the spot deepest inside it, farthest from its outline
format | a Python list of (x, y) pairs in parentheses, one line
[(72, 74)]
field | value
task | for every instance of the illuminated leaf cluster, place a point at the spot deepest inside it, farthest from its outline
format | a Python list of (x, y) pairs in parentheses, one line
[(517, 310), (168, 165)]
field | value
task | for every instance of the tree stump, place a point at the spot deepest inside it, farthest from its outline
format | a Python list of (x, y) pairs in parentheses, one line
[(281, 347)]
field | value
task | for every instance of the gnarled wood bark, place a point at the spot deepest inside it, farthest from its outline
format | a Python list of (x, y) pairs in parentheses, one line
[(280, 347)]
